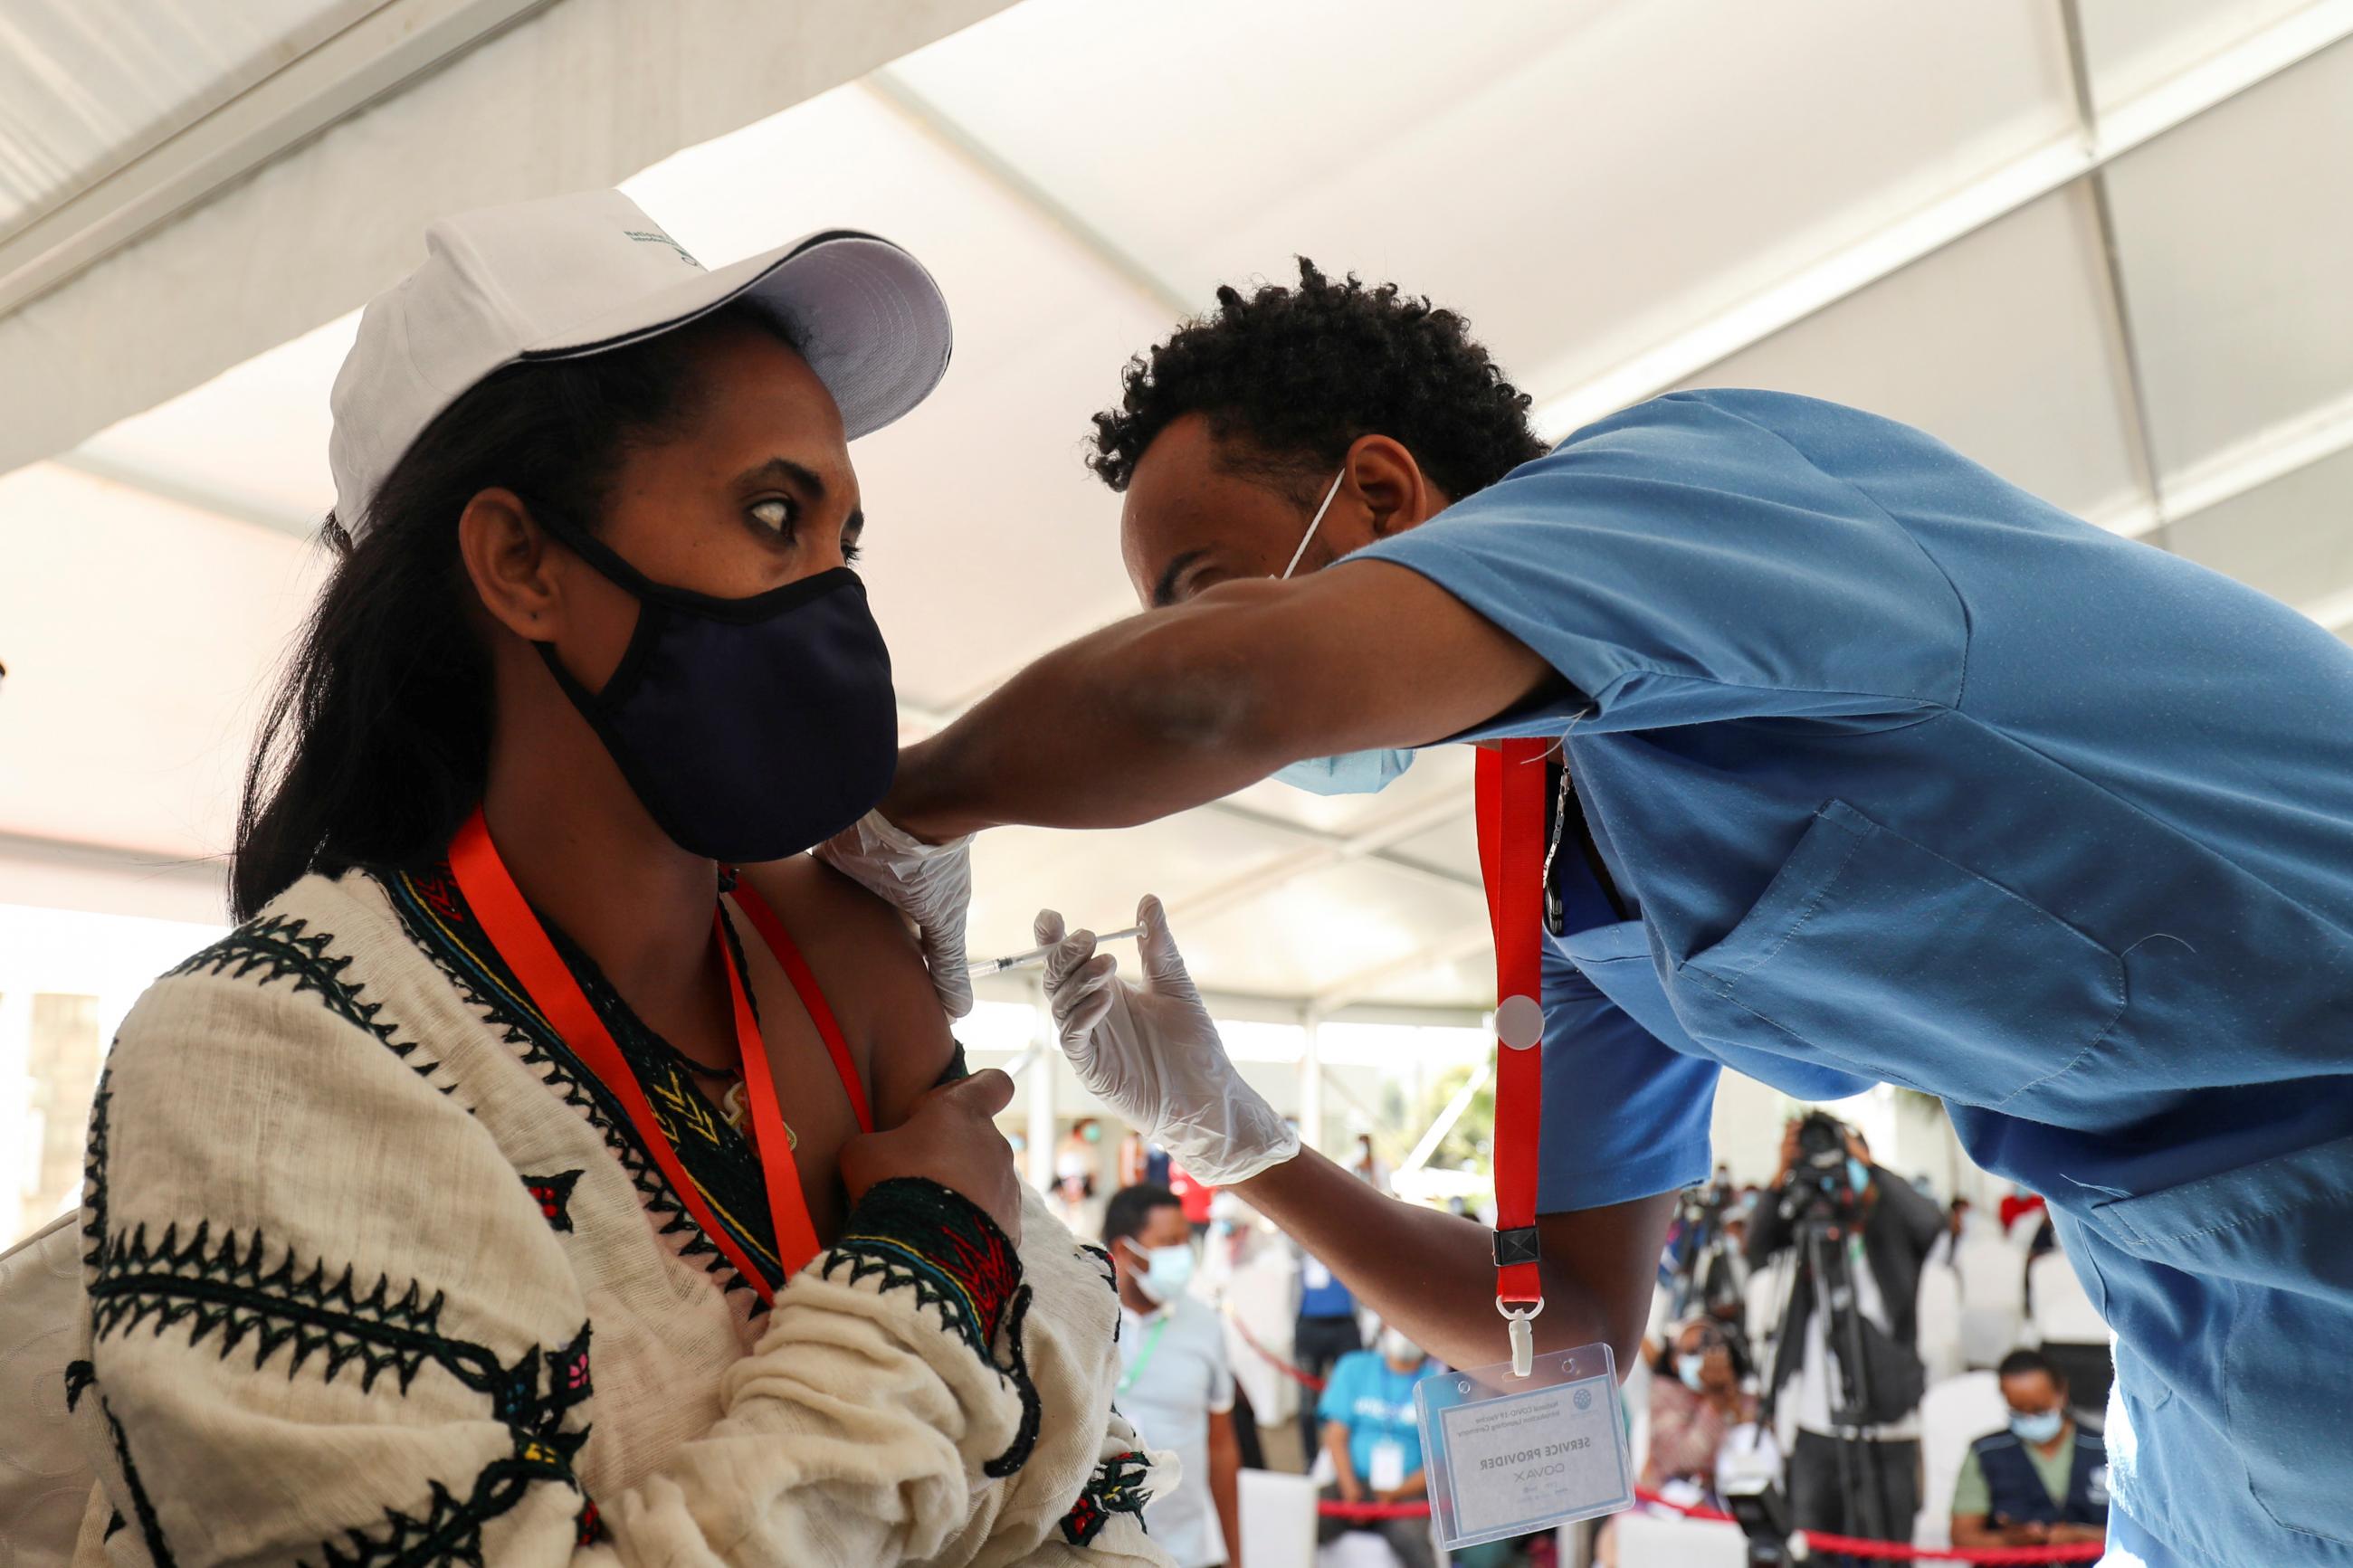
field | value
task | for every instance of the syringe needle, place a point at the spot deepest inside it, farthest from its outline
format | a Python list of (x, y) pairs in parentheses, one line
[(1038, 954)]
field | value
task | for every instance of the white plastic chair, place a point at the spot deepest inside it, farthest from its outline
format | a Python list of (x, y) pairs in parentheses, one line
[(1993, 1297), (1277, 1520), (1939, 1313), (1666, 1541), (1954, 1413), (1357, 1549), (2062, 1308)]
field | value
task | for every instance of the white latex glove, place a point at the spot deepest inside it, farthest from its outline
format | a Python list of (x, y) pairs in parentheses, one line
[(1151, 1053), (930, 884)]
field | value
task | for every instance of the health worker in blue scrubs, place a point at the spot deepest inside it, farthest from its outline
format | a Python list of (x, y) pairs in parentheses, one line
[(1878, 769)]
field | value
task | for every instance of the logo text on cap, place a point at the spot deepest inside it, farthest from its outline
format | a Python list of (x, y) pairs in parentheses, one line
[(656, 236)]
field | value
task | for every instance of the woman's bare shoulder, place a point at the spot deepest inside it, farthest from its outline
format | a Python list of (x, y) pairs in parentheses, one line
[(867, 963), (824, 909)]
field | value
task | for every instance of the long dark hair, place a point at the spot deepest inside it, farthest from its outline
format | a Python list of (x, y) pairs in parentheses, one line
[(375, 743)]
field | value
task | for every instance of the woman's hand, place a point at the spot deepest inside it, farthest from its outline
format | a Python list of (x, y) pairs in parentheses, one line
[(951, 1137)]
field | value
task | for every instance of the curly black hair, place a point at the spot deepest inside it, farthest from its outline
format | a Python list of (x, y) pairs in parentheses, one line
[(1292, 376)]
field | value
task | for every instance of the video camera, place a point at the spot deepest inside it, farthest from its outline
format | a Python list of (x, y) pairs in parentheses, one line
[(1703, 1206), (1819, 1186), (1700, 1275)]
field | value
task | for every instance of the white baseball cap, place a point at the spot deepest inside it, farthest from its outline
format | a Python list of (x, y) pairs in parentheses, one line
[(571, 276)]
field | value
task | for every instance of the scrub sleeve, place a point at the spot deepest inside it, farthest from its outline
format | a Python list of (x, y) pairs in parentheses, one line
[(1677, 564)]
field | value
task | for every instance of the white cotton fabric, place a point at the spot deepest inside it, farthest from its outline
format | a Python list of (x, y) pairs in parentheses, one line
[(318, 1091)]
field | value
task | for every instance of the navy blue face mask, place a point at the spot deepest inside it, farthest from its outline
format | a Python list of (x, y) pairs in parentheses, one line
[(749, 729)]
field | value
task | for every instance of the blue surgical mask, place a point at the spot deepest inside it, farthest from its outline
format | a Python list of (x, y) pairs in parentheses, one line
[(1688, 1368), (1166, 1271), (1858, 1174), (2039, 1427), (1352, 772)]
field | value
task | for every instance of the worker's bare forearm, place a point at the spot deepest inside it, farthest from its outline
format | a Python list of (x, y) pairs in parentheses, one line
[(1177, 707), (1126, 725), (1433, 1274)]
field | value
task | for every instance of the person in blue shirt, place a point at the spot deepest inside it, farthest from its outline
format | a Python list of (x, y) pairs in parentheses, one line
[(1324, 1329), (1878, 769), (1373, 1437)]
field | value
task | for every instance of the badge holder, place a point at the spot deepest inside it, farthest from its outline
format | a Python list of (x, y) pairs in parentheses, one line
[(1508, 1455), (1537, 1441)]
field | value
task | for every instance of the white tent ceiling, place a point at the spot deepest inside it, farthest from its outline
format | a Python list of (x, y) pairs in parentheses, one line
[(2097, 244)]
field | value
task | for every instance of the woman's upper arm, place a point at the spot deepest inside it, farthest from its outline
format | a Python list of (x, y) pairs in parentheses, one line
[(874, 980)]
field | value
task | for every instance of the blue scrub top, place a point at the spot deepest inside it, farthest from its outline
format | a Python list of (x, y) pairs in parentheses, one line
[(1916, 779)]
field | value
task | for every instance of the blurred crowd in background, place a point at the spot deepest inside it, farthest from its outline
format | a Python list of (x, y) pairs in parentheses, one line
[(1973, 1419)]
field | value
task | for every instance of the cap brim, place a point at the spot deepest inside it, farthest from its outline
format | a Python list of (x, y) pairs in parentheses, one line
[(869, 318)]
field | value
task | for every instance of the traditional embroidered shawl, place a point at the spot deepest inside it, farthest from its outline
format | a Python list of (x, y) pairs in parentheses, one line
[(374, 1277)]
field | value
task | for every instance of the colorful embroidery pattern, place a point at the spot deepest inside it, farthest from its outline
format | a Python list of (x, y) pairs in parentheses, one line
[(915, 1234), (78, 1380), (918, 1235), (554, 1195), (241, 1289), (226, 1289), (450, 1529), (719, 1159), (1116, 1486), (81, 1375), (276, 947)]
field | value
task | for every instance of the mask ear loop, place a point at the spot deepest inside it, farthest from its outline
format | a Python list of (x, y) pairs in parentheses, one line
[(1313, 524)]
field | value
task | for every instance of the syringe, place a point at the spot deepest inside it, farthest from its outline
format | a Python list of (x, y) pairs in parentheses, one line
[(1038, 954)]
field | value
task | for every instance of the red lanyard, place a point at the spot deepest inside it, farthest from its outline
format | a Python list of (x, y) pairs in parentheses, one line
[(522, 943), (1511, 799)]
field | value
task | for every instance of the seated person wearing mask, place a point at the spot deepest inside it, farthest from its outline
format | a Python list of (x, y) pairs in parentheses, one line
[(1373, 1439), (2041, 1482), (1696, 1400), (1175, 1384)]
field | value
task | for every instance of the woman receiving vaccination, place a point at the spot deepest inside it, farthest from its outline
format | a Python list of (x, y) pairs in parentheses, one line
[(557, 1165)]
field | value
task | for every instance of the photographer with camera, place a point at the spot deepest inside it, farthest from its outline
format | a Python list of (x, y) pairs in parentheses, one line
[(1861, 1236)]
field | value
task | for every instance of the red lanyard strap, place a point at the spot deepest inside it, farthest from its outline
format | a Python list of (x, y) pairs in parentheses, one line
[(507, 919), (797, 970), (1511, 801)]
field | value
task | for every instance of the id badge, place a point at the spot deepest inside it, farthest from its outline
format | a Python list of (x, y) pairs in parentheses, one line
[(1510, 1455), (1388, 1465)]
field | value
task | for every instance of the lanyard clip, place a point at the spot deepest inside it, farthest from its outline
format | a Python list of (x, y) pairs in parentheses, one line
[(1523, 1337)]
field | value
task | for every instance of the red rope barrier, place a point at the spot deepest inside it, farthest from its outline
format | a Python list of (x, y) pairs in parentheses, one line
[(1853, 1546), (1304, 1379), (1332, 1507)]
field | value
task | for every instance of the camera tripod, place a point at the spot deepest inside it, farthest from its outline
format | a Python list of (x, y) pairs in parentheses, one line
[(1825, 1243), (1705, 1279)]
